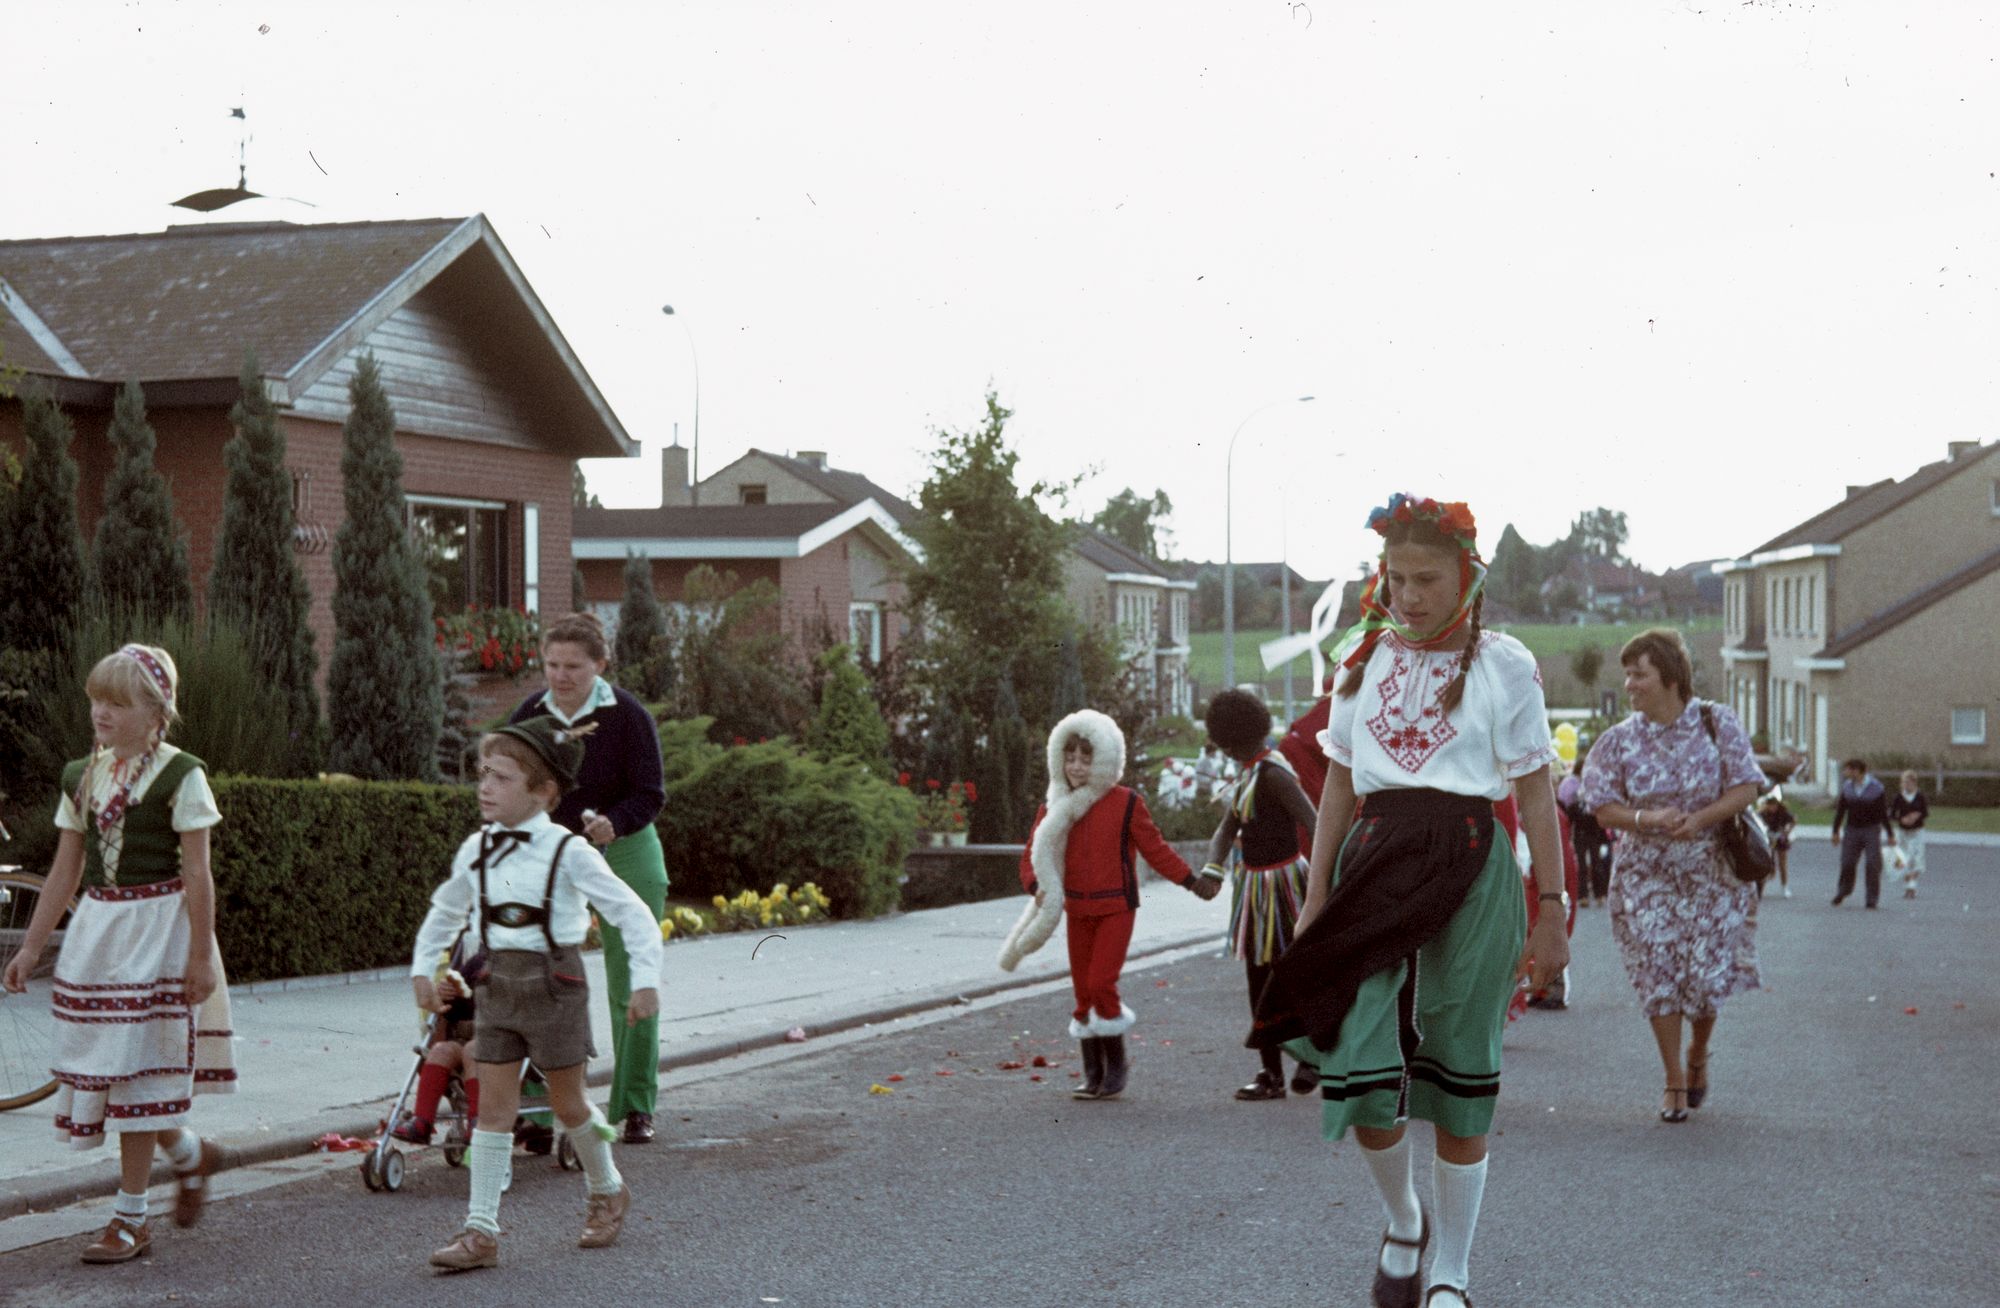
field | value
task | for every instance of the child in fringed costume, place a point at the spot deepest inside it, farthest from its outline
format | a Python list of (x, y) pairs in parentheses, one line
[(1411, 939), (1256, 847), (141, 1003), (1080, 860)]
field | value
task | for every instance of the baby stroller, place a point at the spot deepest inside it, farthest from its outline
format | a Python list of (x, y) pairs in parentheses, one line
[(534, 1125)]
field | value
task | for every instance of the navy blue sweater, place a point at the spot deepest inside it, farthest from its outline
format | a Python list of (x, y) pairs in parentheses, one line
[(621, 776)]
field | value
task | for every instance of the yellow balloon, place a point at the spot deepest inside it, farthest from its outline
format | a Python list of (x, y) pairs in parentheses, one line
[(1566, 749), (1566, 731)]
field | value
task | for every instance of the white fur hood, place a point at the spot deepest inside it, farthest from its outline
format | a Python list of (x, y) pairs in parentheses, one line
[(1065, 807)]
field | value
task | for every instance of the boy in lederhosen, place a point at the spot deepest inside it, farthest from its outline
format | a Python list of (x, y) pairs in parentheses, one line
[(528, 885)]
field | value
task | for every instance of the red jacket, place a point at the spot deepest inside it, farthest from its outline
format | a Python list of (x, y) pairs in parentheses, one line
[(1100, 874)]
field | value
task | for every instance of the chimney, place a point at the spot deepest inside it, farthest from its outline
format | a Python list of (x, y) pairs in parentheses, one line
[(1957, 448), (674, 493), (1852, 491), (817, 458)]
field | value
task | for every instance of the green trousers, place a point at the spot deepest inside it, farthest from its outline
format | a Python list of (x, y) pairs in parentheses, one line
[(635, 1050)]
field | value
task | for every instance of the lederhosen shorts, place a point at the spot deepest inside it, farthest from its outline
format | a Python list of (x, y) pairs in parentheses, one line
[(532, 1003)]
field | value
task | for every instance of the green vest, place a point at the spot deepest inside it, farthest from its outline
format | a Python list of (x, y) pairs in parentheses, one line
[(152, 848)]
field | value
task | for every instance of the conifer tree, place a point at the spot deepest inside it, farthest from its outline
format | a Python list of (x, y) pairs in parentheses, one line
[(139, 554), (43, 583), (848, 722), (1006, 804), (385, 701), (644, 666), (256, 584)]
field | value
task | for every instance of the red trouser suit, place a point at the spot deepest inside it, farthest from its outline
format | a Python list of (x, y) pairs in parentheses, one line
[(1101, 891)]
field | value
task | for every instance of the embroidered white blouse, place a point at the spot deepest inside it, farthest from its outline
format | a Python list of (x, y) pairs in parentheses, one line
[(518, 874), (1393, 734), (194, 801)]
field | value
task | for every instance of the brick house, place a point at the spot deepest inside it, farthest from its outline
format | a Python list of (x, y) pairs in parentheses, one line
[(492, 406), (1867, 629), (1109, 585), (832, 542)]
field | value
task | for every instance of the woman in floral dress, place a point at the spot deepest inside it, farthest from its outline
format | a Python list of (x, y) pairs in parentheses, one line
[(1684, 924)]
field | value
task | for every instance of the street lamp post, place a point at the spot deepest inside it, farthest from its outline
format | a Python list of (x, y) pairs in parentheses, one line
[(694, 459), (1228, 557)]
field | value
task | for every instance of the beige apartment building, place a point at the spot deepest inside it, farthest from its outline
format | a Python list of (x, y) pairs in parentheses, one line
[(1868, 629), (1109, 585)]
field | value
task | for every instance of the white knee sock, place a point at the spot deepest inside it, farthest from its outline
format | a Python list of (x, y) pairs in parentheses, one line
[(592, 1141), (1456, 1194), (131, 1207), (1391, 1169), (491, 1162), (182, 1148)]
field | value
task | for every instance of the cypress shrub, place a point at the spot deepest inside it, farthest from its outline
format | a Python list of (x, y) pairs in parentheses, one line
[(139, 554), (848, 724), (42, 579), (385, 700), (1006, 807), (256, 583), (639, 652)]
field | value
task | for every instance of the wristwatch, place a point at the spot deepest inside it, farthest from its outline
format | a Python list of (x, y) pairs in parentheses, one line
[(1560, 895)]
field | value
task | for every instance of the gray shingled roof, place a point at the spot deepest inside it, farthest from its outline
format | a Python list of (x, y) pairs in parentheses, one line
[(848, 488), (1098, 548), (1889, 619), (717, 522)]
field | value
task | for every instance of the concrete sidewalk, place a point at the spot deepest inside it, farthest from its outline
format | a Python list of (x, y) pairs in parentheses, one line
[(330, 1053)]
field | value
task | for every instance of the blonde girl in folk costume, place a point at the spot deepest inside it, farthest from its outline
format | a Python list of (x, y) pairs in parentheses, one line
[(141, 1004), (526, 887), (1411, 939), (1081, 860)]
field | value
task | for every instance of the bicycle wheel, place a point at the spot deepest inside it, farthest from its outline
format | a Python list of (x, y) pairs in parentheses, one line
[(27, 1022)]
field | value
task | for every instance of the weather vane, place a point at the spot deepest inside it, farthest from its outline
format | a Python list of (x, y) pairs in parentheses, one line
[(222, 197)]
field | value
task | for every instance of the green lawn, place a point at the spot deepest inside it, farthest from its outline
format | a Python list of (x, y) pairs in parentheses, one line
[(1985, 820)]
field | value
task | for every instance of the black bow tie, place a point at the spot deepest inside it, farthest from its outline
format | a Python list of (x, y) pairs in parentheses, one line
[(496, 845)]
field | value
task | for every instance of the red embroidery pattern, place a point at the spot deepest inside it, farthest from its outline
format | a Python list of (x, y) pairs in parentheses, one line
[(104, 1004), (82, 1131), (1411, 743), (165, 1108), (151, 890)]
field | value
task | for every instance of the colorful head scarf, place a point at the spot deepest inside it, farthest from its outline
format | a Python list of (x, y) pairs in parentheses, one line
[(1454, 521)]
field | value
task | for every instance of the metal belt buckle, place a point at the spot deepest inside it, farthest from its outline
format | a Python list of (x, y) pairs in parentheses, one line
[(515, 915)]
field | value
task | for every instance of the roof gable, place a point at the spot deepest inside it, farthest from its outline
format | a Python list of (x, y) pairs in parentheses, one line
[(1857, 511), (731, 530), (844, 487), (1887, 621)]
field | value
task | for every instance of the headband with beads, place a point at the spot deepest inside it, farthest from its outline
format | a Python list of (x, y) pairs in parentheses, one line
[(154, 669)]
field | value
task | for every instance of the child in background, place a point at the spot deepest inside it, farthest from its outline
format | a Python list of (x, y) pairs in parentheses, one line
[(1908, 812), (527, 886), (1257, 847), (1778, 820), (449, 1052), (141, 1005), (1080, 860)]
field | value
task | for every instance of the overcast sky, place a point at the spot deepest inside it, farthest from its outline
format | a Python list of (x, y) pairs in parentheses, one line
[(1705, 261)]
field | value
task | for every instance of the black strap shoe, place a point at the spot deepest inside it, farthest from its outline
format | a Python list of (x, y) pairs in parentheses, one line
[(1265, 1086), (1401, 1291), (638, 1128)]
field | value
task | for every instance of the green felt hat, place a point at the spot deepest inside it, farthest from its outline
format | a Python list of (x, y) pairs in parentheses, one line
[(555, 744)]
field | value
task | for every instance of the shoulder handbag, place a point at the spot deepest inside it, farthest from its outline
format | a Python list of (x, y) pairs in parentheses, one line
[(1746, 842)]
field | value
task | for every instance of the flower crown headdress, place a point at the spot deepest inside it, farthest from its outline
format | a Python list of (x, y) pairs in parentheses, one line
[(1454, 521)]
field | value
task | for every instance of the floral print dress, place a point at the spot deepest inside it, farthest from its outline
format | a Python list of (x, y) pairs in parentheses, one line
[(1683, 923)]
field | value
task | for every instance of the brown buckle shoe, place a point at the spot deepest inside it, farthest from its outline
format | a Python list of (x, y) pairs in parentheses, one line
[(120, 1243), (638, 1128), (191, 1186), (470, 1250), (605, 1218)]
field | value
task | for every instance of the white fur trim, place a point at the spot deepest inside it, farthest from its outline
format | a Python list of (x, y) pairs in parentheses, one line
[(1080, 1030), (1065, 807), (1111, 1026)]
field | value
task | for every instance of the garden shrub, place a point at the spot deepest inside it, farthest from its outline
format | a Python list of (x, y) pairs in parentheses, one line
[(755, 816), (317, 877)]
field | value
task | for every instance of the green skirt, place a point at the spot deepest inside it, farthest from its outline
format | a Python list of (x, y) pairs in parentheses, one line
[(1448, 1016)]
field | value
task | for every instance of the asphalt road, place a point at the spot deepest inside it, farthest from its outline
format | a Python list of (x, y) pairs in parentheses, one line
[(1843, 1159)]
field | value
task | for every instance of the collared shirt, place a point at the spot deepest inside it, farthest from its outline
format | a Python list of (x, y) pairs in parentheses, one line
[(519, 873), (600, 696)]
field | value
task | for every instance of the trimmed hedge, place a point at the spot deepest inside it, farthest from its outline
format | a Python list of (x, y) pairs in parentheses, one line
[(315, 877)]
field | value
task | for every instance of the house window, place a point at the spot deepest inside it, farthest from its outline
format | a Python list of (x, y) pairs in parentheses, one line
[(463, 547), (1996, 497), (864, 630), (531, 557), (748, 494), (1968, 726)]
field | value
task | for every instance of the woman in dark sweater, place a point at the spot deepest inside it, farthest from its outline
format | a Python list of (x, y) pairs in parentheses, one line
[(620, 790)]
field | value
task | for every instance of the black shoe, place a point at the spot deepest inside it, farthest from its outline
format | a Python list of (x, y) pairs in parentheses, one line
[(1697, 1094), (1093, 1069), (1401, 1291), (1266, 1086), (1675, 1114), (1550, 1003), (534, 1137), (1116, 1069), (1837, 899), (1305, 1079), (638, 1128), (1437, 1290)]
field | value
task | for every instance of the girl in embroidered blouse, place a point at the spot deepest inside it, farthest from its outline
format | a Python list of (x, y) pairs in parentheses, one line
[(141, 1005), (1414, 933)]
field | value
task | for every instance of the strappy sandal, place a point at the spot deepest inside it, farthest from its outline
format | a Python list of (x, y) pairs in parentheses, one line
[(1697, 1093), (1401, 1291), (1675, 1114)]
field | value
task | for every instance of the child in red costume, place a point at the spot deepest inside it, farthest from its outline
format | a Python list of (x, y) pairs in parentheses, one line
[(1081, 858)]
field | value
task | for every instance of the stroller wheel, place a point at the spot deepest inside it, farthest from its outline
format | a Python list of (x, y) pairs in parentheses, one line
[(392, 1171), (566, 1155), (368, 1171), (454, 1155)]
